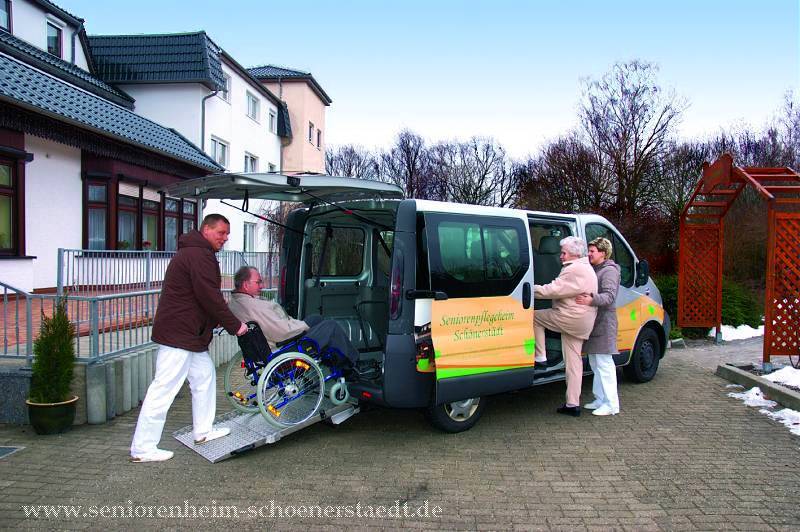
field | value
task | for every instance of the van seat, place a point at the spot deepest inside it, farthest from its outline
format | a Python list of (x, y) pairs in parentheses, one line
[(352, 327)]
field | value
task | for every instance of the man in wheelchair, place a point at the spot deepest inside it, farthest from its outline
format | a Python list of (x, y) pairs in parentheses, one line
[(278, 327)]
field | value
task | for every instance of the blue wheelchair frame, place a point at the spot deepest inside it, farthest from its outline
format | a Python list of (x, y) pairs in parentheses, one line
[(329, 358)]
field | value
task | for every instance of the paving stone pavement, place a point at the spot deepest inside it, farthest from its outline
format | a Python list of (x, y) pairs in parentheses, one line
[(681, 455)]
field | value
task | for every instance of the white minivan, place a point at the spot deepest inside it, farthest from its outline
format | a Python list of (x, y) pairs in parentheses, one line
[(438, 297)]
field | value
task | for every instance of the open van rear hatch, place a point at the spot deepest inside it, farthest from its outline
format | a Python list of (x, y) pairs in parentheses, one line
[(278, 187)]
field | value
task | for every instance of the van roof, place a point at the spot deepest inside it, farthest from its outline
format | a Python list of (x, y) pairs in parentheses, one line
[(444, 206)]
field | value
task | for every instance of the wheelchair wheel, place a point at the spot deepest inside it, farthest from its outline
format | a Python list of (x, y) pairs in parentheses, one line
[(240, 389), (290, 389)]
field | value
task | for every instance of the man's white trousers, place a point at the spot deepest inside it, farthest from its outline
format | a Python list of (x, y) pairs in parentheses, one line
[(173, 367), (604, 386)]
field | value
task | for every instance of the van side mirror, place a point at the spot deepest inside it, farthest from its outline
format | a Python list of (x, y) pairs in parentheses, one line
[(642, 273)]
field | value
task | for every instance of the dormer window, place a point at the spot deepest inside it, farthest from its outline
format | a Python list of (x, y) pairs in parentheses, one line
[(5, 15), (54, 34)]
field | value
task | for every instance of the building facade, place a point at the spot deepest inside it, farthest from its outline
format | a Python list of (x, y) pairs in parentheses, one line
[(304, 152), (79, 168), (187, 82)]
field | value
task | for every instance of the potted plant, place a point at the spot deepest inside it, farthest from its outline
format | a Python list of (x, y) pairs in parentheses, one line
[(51, 407)]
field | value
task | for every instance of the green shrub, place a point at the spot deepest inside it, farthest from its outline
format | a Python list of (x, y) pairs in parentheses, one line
[(54, 358), (739, 305)]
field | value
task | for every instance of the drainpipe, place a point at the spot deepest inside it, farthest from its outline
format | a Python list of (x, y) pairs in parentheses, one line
[(203, 120), (75, 34)]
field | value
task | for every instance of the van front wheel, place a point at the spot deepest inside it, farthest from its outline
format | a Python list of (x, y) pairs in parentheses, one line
[(644, 362), (457, 416)]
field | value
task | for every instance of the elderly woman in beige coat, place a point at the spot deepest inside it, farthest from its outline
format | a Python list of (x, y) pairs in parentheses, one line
[(572, 320)]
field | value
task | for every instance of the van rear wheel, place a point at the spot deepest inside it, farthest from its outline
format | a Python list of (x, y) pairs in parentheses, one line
[(457, 416), (646, 354)]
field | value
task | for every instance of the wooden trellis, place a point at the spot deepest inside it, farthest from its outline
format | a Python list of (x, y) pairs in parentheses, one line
[(700, 254)]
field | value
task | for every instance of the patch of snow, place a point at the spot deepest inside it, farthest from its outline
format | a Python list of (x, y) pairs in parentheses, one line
[(738, 333), (787, 375), (787, 416), (734, 386), (753, 397)]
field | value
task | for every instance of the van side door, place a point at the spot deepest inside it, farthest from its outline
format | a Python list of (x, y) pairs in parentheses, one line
[(629, 298), (482, 333)]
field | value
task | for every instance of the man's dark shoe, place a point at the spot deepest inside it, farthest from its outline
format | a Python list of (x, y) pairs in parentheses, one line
[(569, 410)]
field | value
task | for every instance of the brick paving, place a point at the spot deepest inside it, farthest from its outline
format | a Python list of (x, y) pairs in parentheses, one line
[(680, 456)]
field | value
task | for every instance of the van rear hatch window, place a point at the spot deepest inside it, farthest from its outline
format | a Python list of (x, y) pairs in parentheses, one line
[(342, 252)]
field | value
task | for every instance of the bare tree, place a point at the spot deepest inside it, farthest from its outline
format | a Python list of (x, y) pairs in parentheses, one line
[(473, 172), (565, 177), (351, 161), (627, 120), (406, 165), (678, 172)]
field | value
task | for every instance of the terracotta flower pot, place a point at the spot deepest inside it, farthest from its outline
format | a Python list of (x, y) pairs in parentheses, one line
[(52, 418)]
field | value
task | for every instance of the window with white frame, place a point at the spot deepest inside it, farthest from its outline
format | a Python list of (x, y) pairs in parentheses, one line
[(273, 121), (272, 168), (252, 106), (54, 39), (219, 151), (250, 162), (249, 243), (319, 138), (311, 132), (225, 93), (5, 15)]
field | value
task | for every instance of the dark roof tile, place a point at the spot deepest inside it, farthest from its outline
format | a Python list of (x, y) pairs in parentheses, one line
[(273, 72), (58, 67), (171, 58), (23, 85)]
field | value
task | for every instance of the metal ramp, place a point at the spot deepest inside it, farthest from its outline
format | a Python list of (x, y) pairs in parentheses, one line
[(250, 431)]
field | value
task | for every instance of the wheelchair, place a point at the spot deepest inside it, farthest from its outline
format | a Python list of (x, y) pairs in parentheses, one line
[(287, 385)]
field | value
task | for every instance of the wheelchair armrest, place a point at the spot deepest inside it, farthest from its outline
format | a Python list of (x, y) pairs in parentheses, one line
[(290, 340)]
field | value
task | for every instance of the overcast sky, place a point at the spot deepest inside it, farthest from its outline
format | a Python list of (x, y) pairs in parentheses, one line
[(510, 70)]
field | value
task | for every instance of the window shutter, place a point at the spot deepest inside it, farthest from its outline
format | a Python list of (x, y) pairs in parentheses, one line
[(127, 189)]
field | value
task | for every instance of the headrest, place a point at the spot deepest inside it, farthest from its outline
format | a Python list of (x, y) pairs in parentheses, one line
[(550, 245)]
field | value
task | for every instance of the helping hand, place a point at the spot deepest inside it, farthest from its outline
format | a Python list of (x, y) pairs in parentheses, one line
[(583, 299)]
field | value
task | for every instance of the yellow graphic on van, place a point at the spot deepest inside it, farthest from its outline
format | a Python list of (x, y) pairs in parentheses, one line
[(632, 316), (481, 335)]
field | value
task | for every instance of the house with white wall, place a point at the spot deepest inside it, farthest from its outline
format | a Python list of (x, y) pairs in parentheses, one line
[(78, 167), (307, 101), (187, 82)]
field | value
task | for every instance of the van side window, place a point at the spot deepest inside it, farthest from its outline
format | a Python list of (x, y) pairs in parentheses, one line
[(344, 251), (473, 256), (621, 254)]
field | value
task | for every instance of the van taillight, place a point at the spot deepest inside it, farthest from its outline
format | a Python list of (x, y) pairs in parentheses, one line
[(282, 286), (396, 288)]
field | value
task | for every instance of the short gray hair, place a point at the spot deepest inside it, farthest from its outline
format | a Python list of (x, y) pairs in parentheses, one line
[(242, 274), (574, 246)]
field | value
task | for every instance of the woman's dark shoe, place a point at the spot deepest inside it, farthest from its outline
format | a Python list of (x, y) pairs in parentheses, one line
[(569, 410)]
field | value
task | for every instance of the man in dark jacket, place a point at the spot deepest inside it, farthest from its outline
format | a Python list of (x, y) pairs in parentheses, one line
[(602, 342), (189, 308)]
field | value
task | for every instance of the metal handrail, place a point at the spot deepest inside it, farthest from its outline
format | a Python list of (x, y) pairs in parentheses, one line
[(107, 325), (29, 325)]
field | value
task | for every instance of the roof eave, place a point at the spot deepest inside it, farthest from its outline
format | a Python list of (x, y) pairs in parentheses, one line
[(60, 74), (82, 125), (308, 78), (253, 81)]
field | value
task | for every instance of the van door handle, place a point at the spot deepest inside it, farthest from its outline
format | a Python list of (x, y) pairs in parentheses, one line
[(526, 295), (426, 294)]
